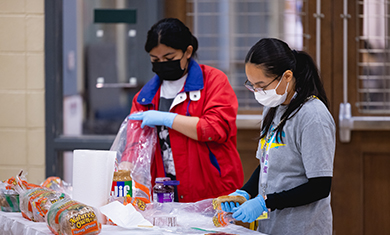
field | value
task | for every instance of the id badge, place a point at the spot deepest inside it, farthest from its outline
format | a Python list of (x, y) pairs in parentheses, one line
[(266, 214)]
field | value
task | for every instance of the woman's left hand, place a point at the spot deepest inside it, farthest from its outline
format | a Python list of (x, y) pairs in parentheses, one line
[(154, 118), (250, 210), (229, 206)]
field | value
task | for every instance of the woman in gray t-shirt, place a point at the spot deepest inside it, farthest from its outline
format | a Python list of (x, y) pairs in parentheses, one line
[(291, 186)]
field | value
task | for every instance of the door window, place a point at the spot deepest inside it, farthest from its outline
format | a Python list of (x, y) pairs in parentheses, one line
[(373, 61), (227, 29)]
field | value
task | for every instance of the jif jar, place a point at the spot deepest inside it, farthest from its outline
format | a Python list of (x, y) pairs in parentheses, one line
[(121, 184)]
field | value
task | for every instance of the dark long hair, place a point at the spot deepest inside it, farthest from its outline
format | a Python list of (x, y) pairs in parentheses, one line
[(173, 33), (275, 57)]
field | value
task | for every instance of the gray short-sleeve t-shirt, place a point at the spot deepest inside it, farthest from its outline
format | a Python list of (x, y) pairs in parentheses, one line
[(307, 151)]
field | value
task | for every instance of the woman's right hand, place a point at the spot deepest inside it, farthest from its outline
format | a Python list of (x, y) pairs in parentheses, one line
[(154, 118)]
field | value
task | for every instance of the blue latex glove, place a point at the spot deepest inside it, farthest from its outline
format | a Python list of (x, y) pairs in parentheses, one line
[(229, 206), (250, 210), (154, 118)]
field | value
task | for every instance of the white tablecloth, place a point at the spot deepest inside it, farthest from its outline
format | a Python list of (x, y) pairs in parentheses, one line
[(12, 223)]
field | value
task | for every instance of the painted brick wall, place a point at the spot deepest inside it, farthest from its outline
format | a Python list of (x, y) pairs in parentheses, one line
[(22, 105)]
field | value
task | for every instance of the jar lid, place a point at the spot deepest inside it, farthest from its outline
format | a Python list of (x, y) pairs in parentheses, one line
[(171, 182), (162, 179), (122, 174)]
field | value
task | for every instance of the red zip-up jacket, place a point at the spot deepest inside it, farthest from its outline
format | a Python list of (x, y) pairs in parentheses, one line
[(210, 166)]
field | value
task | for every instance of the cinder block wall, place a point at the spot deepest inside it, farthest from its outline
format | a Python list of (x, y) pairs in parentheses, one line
[(22, 105)]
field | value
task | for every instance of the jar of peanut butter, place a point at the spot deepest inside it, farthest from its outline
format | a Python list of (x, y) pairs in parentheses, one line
[(121, 184)]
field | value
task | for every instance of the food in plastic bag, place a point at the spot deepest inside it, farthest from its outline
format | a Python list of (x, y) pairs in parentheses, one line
[(9, 200), (135, 148), (35, 202), (184, 215), (217, 201), (9, 196), (68, 217), (222, 219), (57, 184), (41, 204), (26, 198)]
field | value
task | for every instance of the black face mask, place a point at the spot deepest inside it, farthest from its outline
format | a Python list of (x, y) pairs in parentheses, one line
[(168, 70)]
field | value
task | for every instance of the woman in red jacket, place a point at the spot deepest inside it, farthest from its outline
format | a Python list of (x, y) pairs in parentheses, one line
[(194, 109)]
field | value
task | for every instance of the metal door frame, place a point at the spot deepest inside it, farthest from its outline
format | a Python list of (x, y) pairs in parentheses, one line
[(347, 122), (55, 143)]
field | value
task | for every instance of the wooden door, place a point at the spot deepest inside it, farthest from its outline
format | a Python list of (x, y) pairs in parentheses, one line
[(361, 182)]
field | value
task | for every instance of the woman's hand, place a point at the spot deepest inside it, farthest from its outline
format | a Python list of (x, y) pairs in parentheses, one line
[(154, 118), (250, 210), (229, 206)]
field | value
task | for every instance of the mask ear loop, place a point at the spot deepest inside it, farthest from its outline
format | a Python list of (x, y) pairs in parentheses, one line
[(288, 83), (280, 82), (286, 87), (185, 66)]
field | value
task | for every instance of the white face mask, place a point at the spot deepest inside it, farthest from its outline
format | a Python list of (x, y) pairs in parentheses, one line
[(270, 98)]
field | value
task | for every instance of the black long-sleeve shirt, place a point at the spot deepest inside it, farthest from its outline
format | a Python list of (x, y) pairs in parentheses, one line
[(315, 189)]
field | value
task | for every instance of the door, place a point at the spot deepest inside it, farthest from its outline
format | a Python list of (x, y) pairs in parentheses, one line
[(94, 65), (356, 71)]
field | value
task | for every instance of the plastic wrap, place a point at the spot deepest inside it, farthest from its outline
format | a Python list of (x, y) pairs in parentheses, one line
[(9, 199), (183, 215), (57, 184), (21, 184), (36, 201), (201, 213), (135, 148), (26, 198), (10, 190), (68, 217), (41, 205)]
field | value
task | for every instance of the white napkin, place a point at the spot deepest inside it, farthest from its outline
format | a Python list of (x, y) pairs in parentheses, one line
[(124, 216)]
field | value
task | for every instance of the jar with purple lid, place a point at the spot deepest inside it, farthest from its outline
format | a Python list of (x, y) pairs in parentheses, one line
[(163, 190)]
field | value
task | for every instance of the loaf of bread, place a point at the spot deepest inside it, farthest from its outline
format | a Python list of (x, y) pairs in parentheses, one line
[(68, 217), (27, 197), (217, 201), (41, 205), (9, 200)]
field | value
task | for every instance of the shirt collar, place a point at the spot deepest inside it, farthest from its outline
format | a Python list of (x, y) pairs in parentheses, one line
[(194, 82)]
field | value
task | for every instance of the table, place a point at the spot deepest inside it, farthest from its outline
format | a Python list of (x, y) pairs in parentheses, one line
[(13, 223)]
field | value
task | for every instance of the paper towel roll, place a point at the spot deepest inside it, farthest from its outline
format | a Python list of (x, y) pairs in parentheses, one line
[(92, 176)]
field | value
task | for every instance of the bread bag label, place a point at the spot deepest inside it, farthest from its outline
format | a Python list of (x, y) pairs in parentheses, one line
[(86, 228)]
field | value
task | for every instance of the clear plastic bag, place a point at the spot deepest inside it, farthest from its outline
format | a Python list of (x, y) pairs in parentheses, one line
[(41, 205), (57, 184), (135, 148), (9, 199), (10, 191), (35, 200), (185, 215), (26, 199)]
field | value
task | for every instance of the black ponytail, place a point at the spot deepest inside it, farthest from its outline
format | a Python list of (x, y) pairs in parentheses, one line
[(275, 57), (173, 33)]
